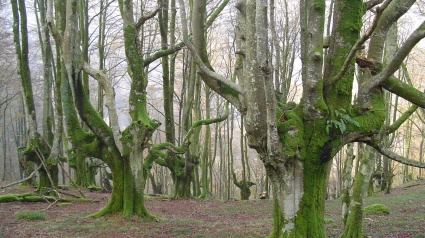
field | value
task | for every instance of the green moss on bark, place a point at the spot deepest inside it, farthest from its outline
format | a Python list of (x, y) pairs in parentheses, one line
[(373, 118), (310, 216), (347, 31), (125, 198), (291, 131)]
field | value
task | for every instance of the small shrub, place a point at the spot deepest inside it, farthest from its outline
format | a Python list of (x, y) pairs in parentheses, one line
[(377, 209), (30, 215), (329, 220)]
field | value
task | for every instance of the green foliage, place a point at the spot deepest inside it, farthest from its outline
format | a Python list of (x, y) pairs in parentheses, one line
[(30, 215), (340, 122), (376, 208)]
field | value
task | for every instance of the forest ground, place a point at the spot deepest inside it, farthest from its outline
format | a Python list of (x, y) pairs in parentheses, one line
[(203, 218)]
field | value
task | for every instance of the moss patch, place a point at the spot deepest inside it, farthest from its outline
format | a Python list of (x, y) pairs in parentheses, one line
[(376, 209)]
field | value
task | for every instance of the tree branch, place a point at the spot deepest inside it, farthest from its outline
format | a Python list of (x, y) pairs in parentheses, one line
[(25, 179), (396, 157), (110, 100), (399, 57), (204, 69), (9, 99), (358, 46), (215, 13), (144, 18), (392, 128), (155, 151), (405, 91), (162, 53), (372, 3), (50, 22), (189, 134)]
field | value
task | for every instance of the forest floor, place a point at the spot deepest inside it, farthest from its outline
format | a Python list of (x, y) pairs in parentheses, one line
[(203, 218)]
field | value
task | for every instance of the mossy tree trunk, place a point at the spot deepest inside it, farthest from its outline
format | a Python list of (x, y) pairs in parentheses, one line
[(41, 148), (353, 225), (345, 193), (82, 169), (182, 168), (391, 46)]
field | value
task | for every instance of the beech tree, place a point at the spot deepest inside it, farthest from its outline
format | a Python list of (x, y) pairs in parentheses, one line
[(43, 149), (297, 141), (123, 151)]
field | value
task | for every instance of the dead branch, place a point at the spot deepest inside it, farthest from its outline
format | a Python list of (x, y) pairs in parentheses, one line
[(23, 180)]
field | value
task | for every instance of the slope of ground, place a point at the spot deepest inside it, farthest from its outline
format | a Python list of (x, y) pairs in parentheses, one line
[(203, 218)]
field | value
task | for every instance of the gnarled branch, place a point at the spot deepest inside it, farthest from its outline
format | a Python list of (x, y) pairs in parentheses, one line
[(204, 69), (396, 157)]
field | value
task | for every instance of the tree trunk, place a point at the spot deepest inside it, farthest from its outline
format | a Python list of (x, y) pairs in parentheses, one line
[(353, 227), (82, 169), (299, 195), (127, 193), (348, 169), (38, 148)]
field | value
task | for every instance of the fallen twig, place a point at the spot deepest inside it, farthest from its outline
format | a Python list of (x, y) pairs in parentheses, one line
[(23, 180)]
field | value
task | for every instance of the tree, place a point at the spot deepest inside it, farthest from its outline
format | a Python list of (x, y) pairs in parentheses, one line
[(103, 142), (41, 149), (297, 142), (245, 183), (122, 151)]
